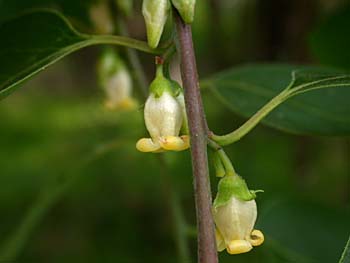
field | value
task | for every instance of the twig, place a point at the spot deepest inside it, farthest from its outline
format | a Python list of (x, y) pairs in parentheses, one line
[(198, 130)]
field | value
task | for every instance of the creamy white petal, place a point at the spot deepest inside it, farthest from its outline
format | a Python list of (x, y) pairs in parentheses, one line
[(163, 116), (236, 219), (119, 87)]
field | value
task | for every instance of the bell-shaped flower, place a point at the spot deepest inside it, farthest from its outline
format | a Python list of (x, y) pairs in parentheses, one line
[(235, 226), (163, 118), (118, 91), (116, 81)]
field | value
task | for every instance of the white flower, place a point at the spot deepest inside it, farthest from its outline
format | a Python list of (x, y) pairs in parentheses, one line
[(163, 118), (118, 89), (234, 226)]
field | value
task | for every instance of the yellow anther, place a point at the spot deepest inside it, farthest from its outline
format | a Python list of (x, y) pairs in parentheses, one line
[(238, 247), (174, 143), (256, 238), (147, 145)]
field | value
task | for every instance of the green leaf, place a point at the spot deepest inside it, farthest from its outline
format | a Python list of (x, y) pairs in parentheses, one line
[(35, 40), (77, 10), (330, 40), (230, 186), (305, 227), (32, 42), (345, 258), (324, 111)]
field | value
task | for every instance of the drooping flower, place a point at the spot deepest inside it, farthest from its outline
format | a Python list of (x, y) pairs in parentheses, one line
[(116, 81), (235, 226), (163, 118)]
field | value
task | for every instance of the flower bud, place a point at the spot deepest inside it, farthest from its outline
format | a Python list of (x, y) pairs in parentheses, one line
[(234, 225), (218, 165), (155, 13), (116, 81), (186, 9), (101, 17)]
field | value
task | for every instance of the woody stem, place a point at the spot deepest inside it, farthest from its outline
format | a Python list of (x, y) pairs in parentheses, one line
[(199, 135)]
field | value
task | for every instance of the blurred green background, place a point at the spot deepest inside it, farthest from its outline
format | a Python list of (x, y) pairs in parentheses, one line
[(109, 203)]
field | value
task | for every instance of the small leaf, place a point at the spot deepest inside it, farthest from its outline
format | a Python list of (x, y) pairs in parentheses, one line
[(324, 111), (345, 258), (230, 186)]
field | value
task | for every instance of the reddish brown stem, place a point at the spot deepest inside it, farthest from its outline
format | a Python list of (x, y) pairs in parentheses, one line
[(198, 130)]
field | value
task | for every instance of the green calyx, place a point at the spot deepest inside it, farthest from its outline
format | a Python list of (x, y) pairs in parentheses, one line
[(186, 8), (161, 84), (177, 89), (233, 186)]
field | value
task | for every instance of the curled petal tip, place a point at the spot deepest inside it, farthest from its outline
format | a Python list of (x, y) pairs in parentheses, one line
[(174, 143), (147, 145), (256, 238)]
